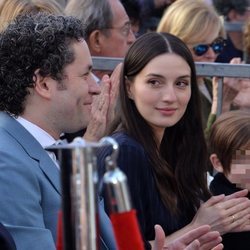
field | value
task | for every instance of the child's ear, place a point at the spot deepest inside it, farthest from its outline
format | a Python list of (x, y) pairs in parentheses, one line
[(216, 163)]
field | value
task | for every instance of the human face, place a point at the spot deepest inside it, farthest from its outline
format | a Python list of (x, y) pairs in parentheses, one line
[(120, 35), (74, 94), (237, 17), (240, 169), (161, 91), (210, 54), (217, 46)]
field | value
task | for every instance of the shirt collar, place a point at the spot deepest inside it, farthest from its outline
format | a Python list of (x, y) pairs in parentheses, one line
[(40, 135)]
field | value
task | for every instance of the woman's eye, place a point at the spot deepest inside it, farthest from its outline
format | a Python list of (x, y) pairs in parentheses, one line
[(154, 82), (182, 84)]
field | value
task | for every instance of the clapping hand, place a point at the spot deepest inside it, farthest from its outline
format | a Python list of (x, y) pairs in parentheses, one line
[(200, 238)]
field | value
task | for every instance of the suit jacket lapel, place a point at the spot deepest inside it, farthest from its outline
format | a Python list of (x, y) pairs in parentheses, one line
[(33, 148)]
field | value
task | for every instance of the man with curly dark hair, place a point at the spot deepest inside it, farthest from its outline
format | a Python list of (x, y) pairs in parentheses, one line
[(46, 88)]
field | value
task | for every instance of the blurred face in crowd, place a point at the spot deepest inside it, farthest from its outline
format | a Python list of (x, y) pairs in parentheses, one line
[(207, 48), (234, 16), (119, 36)]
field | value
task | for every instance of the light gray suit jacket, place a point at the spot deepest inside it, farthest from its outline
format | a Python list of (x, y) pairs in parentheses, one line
[(30, 192)]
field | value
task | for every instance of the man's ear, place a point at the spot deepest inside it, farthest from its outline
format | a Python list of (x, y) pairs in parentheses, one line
[(216, 163), (42, 85), (94, 41)]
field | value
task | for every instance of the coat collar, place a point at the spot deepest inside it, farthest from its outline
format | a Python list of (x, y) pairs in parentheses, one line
[(32, 148)]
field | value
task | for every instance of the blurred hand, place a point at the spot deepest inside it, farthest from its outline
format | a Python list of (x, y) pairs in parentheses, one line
[(242, 99), (236, 90), (231, 82), (229, 93)]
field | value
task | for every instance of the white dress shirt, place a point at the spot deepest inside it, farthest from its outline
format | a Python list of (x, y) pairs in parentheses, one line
[(40, 135)]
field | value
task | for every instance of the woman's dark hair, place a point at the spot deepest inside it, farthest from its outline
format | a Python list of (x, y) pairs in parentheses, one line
[(34, 42), (179, 165)]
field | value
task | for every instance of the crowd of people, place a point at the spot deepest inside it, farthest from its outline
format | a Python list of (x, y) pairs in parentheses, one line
[(162, 115)]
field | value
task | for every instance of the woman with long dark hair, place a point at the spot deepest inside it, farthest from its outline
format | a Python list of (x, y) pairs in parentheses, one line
[(162, 146)]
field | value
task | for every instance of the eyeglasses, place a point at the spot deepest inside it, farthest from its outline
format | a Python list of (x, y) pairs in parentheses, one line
[(217, 45), (125, 29)]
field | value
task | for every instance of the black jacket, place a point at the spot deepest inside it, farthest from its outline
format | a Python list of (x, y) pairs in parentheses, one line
[(231, 241)]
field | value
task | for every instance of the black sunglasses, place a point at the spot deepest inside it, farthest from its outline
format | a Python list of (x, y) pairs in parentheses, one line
[(217, 46)]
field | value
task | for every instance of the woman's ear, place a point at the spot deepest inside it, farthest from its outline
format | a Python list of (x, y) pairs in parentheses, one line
[(128, 87), (216, 163)]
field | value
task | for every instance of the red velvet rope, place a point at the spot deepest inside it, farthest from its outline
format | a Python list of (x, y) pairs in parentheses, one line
[(59, 240), (127, 231)]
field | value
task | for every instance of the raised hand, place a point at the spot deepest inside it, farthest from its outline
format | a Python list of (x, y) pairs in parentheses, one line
[(114, 90), (103, 106), (242, 99), (98, 122)]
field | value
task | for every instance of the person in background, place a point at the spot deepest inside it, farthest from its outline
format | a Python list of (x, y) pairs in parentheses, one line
[(229, 144), (241, 86), (10, 9), (166, 166), (108, 34), (149, 6), (236, 91), (133, 9), (151, 13), (204, 36), (108, 28), (233, 12)]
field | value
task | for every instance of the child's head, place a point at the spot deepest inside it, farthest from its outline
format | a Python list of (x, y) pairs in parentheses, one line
[(229, 144)]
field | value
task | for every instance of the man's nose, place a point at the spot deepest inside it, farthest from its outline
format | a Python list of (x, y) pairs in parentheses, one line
[(94, 87), (131, 37)]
